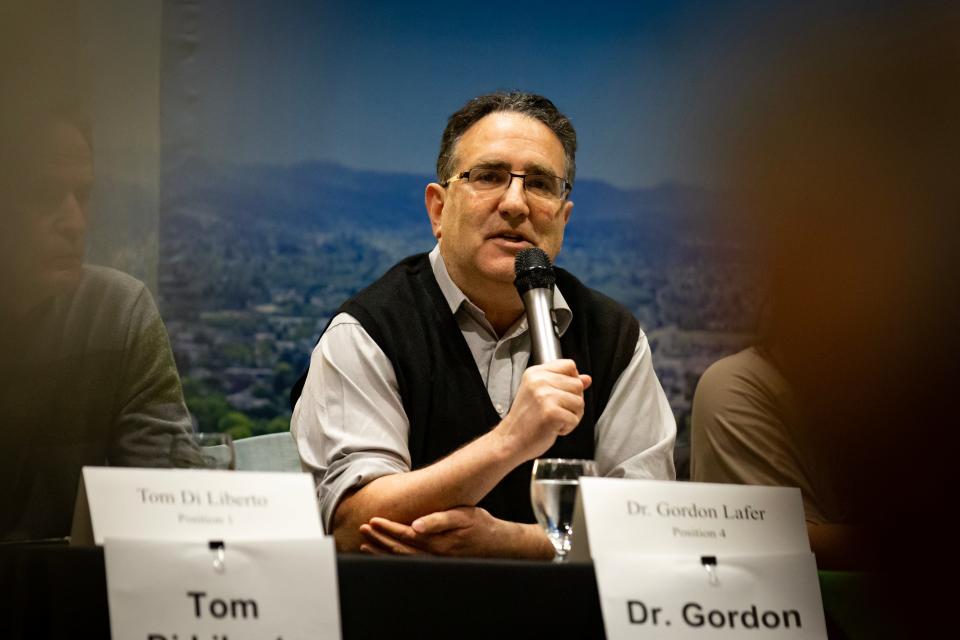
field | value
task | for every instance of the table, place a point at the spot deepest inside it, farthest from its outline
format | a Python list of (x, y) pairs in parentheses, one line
[(56, 591)]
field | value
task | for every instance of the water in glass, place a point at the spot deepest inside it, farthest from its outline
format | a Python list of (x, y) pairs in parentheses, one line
[(553, 494), (553, 502)]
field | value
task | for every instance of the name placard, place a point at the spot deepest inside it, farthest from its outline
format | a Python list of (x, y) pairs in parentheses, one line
[(675, 597), (693, 560), (284, 590), (193, 504), (652, 516)]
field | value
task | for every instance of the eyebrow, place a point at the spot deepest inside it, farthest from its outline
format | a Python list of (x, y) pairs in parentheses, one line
[(539, 168), (491, 164)]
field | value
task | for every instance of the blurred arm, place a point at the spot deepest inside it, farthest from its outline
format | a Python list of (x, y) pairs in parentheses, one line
[(636, 433), (151, 412)]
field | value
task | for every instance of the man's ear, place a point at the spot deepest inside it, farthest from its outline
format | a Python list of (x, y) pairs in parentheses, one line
[(566, 210), (434, 198)]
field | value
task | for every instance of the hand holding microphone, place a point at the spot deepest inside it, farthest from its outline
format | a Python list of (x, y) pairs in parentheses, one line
[(549, 402)]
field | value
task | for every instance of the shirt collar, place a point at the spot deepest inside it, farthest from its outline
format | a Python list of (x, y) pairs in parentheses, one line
[(456, 299)]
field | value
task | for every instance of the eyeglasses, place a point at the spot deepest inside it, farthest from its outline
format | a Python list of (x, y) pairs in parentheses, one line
[(489, 180)]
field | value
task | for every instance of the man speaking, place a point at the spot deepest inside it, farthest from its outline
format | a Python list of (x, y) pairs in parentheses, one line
[(419, 415)]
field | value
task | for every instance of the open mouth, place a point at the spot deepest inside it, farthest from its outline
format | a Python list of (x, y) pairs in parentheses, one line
[(512, 239)]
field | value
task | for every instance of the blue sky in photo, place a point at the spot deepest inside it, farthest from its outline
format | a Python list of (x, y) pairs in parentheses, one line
[(370, 84)]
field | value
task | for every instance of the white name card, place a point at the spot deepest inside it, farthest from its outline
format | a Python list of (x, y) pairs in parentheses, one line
[(285, 590), (193, 504), (651, 516), (674, 597)]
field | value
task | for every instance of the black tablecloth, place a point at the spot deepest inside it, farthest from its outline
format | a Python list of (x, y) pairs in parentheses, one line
[(54, 591), (60, 592)]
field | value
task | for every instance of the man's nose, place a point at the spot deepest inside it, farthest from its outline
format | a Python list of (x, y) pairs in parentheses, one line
[(513, 202), (72, 216)]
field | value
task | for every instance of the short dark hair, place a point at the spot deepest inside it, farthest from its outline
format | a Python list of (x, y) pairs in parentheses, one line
[(528, 104)]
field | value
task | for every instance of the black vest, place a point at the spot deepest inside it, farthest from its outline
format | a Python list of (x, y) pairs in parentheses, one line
[(443, 394)]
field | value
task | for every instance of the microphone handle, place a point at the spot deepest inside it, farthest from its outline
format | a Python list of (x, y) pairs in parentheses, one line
[(544, 343)]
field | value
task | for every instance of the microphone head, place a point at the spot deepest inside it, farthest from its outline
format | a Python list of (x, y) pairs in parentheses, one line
[(533, 270)]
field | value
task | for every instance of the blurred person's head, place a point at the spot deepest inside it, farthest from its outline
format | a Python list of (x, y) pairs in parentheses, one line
[(45, 197), (846, 160)]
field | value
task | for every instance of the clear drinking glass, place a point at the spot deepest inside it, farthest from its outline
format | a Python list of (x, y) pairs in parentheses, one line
[(204, 450), (553, 493)]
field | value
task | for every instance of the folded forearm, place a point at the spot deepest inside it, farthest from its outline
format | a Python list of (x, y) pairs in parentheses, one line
[(461, 479)]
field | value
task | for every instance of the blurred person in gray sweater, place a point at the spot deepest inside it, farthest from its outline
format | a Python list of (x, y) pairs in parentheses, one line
[(87, 376)]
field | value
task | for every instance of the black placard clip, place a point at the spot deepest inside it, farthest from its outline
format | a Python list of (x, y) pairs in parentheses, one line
[(710, 566), (220, 553)]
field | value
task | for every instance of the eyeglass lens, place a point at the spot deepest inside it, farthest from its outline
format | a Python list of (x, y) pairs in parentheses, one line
[(541, 185)]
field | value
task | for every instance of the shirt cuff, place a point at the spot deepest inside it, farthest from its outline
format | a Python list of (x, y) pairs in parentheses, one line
[(352, 472)]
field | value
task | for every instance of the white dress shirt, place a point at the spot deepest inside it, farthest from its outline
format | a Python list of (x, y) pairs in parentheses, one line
[(351, 428)]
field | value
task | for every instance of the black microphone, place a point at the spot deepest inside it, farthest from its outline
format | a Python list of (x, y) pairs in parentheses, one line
[(534, 282)]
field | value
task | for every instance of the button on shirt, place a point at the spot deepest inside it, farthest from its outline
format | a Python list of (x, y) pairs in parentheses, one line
[(351, 428)]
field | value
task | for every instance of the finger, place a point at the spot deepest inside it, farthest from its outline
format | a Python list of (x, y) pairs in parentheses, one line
[(372, 545), (564, 366), (372, 550), (388, 544), (567, 429), (393, 529), (439, 522), (571, 403), (548, 382), (385, 542), (586, 380), (567, 415)]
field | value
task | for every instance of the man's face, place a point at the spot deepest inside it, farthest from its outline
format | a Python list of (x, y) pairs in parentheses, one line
[(481, 233), (47, 218)]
